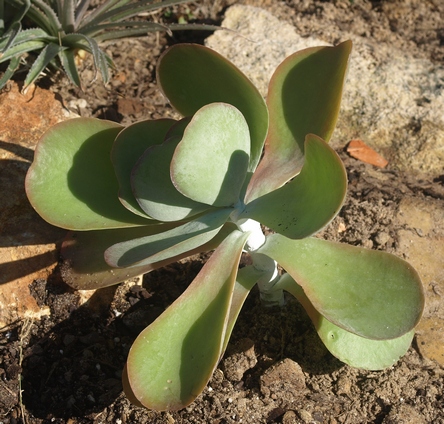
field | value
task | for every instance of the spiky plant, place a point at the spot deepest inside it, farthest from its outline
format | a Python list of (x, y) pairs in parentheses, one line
[(60, 29)]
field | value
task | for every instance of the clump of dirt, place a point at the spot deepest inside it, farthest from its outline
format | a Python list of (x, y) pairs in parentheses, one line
[(66, 368)]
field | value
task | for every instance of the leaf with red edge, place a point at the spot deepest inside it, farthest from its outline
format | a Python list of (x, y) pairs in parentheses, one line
[(71, 182), (83, 262), (192, 76), (370, 293), (310, 201), (172, 360), (128, 147), (304, 97)]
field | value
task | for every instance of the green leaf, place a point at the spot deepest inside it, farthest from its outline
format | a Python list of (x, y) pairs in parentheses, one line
[(41, 11), (67, 58), (192, 76), (71, 182), (19, 49), (155, 248), (33, 34), (172, 360), (304, 97), (83, 263), (246, 278), (116, 30), (210, 163), (7, 40), (84, 266), (41, 62), (10, 70), (101, 61), (370, 293), (151, 173), (310, 201), (128, 147), (116, 14), (354, 350)]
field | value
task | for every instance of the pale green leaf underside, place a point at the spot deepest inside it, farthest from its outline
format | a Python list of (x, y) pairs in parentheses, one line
[(192, 76), (310, 201), (71, 182), (129, 146), (154, 190), (354, 350), (370, 293), (246, 278), (84, 266), (161, 246), (304, 97), (82, 253), (172, 360), (210, 163)]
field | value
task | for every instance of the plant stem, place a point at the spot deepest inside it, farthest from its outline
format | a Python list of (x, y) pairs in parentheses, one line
[(270, 296)]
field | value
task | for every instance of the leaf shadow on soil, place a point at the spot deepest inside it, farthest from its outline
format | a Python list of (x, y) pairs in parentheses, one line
[(74, 360)]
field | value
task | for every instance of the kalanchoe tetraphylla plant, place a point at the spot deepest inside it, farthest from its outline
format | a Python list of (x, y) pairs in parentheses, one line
[(140, 197), (63, 28)]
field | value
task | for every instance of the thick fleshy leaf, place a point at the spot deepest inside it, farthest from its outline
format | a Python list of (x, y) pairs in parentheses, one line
[(310, 201), (192, 76), (83, 263), (172, 360), (154, 190), (128, 147), (246, 278), (71, 182), (370, 293), (84, 266), (354, 350), (210, 163), (304, 97), (168, 244)]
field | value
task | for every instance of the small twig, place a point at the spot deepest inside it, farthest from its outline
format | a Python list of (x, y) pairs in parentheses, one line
[(24, 333), (7, 388)]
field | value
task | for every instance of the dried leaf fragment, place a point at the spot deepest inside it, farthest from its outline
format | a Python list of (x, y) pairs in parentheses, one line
[(359, 150)]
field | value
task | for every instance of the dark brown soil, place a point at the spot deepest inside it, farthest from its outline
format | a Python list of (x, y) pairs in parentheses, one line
[(66, 368)]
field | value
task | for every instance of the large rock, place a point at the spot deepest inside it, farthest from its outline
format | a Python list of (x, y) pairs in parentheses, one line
[(393, 101), (27, 243)]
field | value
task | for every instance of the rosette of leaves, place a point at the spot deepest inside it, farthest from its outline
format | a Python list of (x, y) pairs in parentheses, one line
[(140, 197), (60, 29)]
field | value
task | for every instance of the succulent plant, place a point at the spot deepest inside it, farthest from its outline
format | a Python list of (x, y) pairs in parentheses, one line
[(140, 197), (61, 30)]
